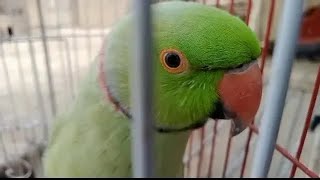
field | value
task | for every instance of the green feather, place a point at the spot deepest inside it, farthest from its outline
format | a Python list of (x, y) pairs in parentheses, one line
[(92, 139)]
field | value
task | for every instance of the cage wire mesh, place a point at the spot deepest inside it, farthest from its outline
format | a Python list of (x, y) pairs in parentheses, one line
[(47, 46)]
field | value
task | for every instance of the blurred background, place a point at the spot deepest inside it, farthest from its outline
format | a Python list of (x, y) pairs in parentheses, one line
[(47, 46)]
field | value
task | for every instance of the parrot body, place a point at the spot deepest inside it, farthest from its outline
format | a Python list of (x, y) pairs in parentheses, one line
[(195, 47)]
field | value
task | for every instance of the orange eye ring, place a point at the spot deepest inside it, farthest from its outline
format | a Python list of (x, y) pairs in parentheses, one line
[(173, 61)]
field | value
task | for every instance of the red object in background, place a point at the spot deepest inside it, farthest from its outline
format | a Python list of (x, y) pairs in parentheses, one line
[(310, 27)]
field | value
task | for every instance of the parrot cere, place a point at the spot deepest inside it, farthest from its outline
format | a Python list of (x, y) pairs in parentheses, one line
[(205, 68)]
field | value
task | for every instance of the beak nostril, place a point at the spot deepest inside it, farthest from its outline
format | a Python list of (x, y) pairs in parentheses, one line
[(242, 67), (239, 66)]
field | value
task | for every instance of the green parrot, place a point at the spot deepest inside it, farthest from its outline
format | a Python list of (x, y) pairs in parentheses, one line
[(205, 68)]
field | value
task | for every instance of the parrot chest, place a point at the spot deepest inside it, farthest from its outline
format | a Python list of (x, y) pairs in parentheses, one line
[(99, 145)]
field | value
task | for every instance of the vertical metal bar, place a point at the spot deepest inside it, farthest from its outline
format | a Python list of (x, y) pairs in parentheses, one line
[(4, 150), (116, 12), (225, 166), (102, 18), (211, 157), (68, 74), (236, 162), (226, 160), (39, 99), (247, 147), (307, 122), (278, 86), (47, 59), (59, 35), (68, 56), (190, 154), (231, 10), (217, 3), (23, 85), (88, 31), (248, 11), (267, 36), (75, 44), (142, 91), (314, 157), (264, 55), (284, 164), (67, 71), (202, 135), (15, 122)]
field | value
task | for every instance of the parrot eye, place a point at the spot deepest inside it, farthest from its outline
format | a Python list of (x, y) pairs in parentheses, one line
[(173, 61)]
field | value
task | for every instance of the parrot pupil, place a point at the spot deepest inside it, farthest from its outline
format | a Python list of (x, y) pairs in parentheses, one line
[(172, 60)]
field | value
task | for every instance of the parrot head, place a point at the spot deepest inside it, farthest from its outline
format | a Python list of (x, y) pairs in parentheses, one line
[(205, 66)]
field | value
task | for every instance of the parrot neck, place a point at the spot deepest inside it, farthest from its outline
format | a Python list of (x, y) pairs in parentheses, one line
[(106, 91), (170, 146)]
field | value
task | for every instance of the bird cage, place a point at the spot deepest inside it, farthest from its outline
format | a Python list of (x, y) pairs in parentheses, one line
[(46, 48)]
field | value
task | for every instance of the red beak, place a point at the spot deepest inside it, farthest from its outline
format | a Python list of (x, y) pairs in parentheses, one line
[(240, 94)]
